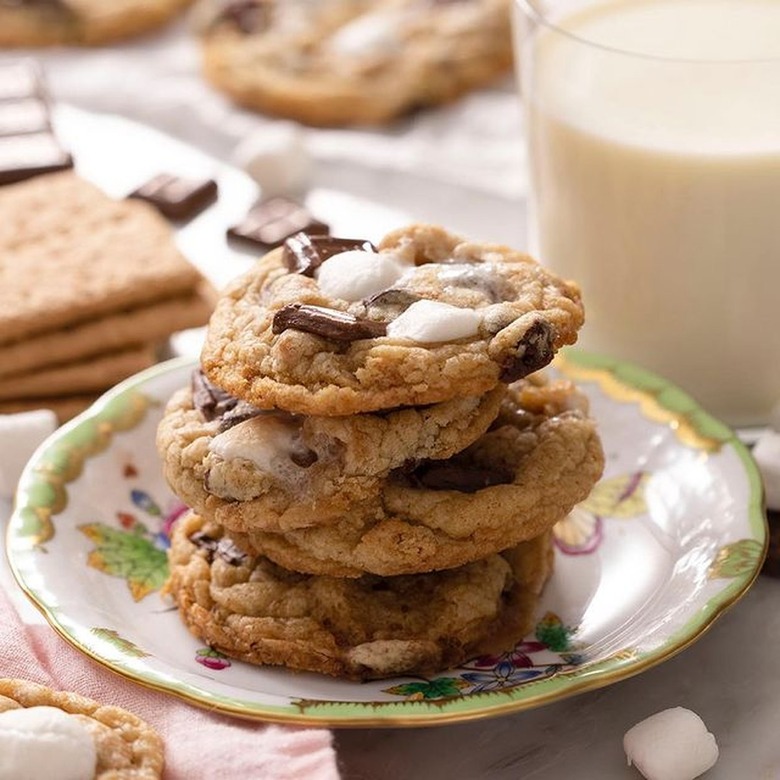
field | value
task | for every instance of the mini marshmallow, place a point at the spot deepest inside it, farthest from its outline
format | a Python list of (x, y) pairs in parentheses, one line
[(671, 745), (355, 275), (39, 743), (276, 157), (375, 33), (20, 435), (433, 321), (266, 441), (766, 453)]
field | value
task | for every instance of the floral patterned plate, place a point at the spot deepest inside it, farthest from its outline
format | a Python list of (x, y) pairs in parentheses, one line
[(672, 536)]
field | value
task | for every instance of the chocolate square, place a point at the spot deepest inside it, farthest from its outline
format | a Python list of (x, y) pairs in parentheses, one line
[(271, 222), (24, 156), (175, 197)]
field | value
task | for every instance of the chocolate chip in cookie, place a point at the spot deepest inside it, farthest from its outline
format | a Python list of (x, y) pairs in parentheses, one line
[(329, 323), (535, 350), (304, 253)]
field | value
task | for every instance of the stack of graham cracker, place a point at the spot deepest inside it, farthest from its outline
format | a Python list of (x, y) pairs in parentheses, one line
[(89, 287)]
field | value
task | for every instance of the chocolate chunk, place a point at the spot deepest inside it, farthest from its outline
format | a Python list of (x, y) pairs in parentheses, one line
[(464, 479), (534, 351), (241, 412), (224, 548), (328, 323), (21, 80), (247, 16), (270, 222), (304, 254), (392, 297), (176, 197), (211, 401), (24, 156), (205, 542), (304, 459), (20, 117)]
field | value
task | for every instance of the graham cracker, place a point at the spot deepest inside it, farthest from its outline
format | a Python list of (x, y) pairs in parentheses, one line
[(69, 253), (113, 332), (88, 376)]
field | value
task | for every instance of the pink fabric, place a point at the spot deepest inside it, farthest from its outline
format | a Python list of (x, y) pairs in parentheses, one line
[(198, 744)]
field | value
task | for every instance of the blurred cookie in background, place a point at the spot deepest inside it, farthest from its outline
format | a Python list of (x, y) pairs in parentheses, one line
[(345, 62), (81, 22)]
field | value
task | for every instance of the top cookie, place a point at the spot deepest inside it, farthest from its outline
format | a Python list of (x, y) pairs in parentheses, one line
[(337, 62), (85, 22), (329, 326)]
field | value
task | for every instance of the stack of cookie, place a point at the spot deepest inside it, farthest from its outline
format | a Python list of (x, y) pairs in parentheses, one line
[(373, 473), (90, 287)]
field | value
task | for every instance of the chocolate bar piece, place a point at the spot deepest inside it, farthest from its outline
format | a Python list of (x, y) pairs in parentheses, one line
[(271, 222), (329, 323), (20, 117), (535, 350), (304, 254), (449, 476), (175, 197), (24, 156)]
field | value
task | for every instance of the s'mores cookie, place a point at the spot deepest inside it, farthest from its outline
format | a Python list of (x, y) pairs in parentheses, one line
[(541, 456), (327, 327), (248, 608), (275, 471), (341, 62), (82, 22), (40, 724)]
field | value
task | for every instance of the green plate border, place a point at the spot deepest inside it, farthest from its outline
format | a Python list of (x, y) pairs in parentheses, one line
[(58, 461)]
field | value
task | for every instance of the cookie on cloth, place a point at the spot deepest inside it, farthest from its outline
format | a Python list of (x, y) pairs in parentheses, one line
[(349, 62), (540, 458), (81, 22), (254, 610), (328, 326), (70, 254), (276, 471), (125, 747)]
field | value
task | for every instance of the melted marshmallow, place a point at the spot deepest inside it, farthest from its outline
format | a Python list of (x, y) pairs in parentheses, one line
[(355, 275), (39, 743), (671, 745), (267, 441), (433, 321)]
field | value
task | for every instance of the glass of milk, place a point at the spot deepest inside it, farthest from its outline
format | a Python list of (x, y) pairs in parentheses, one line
[(654, 144)]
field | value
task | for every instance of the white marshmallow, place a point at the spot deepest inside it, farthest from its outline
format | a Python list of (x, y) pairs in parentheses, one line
[(375, 33), (277, 158), (766, 453), (266, 440), (433, 321), (355, 275), (671, 745), (39, 743), (20, 435)]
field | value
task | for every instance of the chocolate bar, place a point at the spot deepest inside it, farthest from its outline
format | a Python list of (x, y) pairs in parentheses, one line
[(175, 197), (28, 146), (24, 156), (329, 323), (304, 254), (271, 222)]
